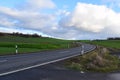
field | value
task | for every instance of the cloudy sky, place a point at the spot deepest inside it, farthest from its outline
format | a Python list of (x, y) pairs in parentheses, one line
[(66, 19)]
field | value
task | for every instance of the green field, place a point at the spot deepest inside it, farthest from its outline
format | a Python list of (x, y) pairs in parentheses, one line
[(30, 44), (106, 43)]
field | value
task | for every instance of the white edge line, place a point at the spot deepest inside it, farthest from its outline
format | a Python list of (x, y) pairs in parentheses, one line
[(18, 70)]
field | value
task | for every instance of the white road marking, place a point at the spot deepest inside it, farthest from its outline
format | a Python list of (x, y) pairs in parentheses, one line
[(1, 61), (82, 72), (10, 72), (38, 65)]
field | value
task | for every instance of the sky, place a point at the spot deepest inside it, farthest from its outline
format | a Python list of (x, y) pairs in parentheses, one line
[(64, 19)]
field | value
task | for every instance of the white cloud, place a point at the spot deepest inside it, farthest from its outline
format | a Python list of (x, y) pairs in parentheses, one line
[(85, 22), (5, 22), (94, 19), (112, 3), (40, 4), (27, 19)]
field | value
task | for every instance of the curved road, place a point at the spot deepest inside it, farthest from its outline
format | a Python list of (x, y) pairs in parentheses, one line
[(15, 63)]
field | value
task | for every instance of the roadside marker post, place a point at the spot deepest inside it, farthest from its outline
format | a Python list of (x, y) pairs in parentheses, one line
[(82, 51), (16, 49)]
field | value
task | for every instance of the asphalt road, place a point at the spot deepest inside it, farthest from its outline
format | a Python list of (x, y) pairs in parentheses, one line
[(15, 63), (56, 71), (51, 72)]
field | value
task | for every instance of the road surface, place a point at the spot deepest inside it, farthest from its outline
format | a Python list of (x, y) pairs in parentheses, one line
[(56, 71), (15, 63)]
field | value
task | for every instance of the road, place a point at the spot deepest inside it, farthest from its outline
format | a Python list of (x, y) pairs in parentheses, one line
[(15, 63), (53, 71), (56, 71)]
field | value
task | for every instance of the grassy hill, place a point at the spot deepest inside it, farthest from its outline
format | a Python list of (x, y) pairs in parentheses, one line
[(106, 43), (30, 44)]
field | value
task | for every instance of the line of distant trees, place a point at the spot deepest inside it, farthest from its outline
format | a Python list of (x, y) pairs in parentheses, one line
[(111, 38), (115, 38), (20, 34)]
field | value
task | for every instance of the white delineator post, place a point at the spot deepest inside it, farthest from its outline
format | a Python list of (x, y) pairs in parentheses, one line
[(16, 49), (82, 51)]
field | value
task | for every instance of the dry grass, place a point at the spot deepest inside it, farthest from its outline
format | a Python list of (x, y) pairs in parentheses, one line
[(99, 60)]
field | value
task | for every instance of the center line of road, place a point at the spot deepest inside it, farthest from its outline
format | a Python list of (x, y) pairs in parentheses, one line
[(64, 51), (1, 61)]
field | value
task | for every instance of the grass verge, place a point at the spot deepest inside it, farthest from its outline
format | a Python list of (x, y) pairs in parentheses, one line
[(11, 51), (96, 61)]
